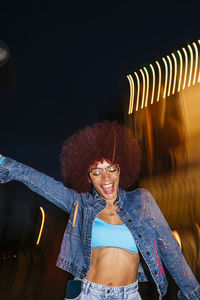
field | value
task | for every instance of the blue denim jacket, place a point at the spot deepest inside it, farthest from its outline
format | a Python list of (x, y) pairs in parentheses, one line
[(137, 209)]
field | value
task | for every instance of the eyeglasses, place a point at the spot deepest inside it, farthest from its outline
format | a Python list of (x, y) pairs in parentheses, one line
[(98, 173)]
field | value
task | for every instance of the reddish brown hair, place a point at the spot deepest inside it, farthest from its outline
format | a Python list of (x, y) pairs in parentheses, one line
[(106, 140)]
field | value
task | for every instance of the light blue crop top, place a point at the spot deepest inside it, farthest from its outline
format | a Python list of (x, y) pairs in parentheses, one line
[(109, 235)]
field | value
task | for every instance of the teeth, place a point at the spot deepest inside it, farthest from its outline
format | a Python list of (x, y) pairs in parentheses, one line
[(107, 185)]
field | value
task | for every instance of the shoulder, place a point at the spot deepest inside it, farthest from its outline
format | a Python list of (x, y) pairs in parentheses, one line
[(139, 198)]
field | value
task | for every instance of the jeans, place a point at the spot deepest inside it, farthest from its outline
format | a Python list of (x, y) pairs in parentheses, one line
[(94, 291)]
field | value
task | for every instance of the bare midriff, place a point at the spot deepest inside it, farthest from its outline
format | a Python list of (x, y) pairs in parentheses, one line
[(113, 266)]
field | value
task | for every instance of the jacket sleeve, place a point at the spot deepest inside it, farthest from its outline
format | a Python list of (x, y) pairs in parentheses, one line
[(49, 188), (172, 256)]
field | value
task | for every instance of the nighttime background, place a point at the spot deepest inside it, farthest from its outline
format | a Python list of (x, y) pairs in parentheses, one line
[(66, 65)]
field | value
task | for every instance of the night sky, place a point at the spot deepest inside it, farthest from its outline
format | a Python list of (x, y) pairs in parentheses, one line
[(67, 62)]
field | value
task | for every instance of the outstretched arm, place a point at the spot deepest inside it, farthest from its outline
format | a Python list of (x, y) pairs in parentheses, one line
[(171, 255), (38, 182)]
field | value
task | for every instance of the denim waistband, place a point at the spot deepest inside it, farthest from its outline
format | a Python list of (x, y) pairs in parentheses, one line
[(99, 289)]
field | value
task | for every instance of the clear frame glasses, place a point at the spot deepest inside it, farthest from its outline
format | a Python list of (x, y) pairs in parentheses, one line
[(97, 174)]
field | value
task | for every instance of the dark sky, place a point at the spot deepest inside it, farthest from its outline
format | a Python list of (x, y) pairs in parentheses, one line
[(68, 61)]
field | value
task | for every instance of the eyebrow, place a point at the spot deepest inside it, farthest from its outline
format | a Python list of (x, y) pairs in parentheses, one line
[(102, 168)]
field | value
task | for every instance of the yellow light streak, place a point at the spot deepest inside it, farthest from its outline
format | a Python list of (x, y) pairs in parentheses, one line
[(180, 70), (147, 92), (166, 77), (143, 88), (170, 75), (186, 67), (199, 71), (175, 73), (42, 225), (75, 214), (191, 65), (196, 62), (138, 91), (159, 80), (153, 84), (177, 237), (131, 100)]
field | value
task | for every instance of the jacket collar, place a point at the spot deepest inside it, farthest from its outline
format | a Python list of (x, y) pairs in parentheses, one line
[(98, 201)]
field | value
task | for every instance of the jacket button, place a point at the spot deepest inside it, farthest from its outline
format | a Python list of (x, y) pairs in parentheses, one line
[(129, 220), (148, 253), (155, 272), (139, 235)]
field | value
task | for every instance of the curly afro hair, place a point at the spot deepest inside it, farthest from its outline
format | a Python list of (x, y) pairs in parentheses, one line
[(106, 140)]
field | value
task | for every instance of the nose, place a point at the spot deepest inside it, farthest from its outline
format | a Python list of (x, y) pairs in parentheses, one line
[(105, 175)]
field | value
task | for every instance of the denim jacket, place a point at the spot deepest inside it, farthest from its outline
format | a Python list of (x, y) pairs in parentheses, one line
[(139, 212)]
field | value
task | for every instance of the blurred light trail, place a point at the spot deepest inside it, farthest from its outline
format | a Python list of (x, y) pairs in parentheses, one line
[(147, 92), (186, 67), (199, 71), (143, 88), (191, 65), (42, 225), (159, 80), (153, 87), (170, 75), (175, 72), (166, 77), (181, 70), (138, 90), (131, 103), (196, 62), (177, 237)]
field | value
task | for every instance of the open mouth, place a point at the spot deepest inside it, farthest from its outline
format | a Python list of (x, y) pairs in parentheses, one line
[(108, 188)]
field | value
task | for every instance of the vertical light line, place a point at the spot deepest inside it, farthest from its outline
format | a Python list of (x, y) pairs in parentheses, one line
[(138, 90), (186, 67), (166, 77), (159, 80), (191, 65), (196, 63), (180, 70), (199, 71), (170, 75), (143, 88), (153, 84), (42, 225), (131, 100), (175, 73), (147, 92), (75, 215)]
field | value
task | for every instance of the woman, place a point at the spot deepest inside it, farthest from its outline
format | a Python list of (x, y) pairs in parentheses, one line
[(108, 228)]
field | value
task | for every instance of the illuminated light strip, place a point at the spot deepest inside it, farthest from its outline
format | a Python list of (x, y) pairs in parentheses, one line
[(196, 62), (166, 77), (170, 75), (75, 215), (180, 71), (159, 80), (147, 92), (177, 238), (186, 67), (153, 87), (143, 92), (199, 71), (138, 91), (191, 65), (42, 226), (131, 101), (175, 73)]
